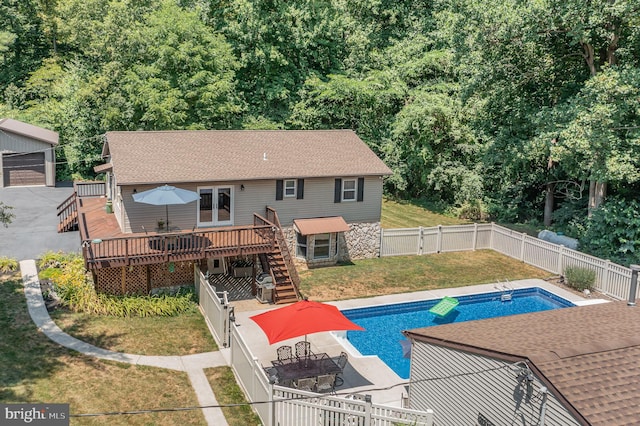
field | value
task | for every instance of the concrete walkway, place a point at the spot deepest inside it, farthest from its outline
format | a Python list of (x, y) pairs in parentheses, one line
[(193, 365)]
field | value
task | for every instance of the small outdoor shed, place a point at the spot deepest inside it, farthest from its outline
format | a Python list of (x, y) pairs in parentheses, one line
[(27, 154)]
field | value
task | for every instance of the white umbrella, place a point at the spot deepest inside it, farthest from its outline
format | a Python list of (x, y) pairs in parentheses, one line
[(166, 195)]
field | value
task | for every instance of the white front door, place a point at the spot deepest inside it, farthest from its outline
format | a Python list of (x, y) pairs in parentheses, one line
[(215, 206)]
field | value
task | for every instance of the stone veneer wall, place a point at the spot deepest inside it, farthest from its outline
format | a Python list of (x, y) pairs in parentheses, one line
[(362, 241)]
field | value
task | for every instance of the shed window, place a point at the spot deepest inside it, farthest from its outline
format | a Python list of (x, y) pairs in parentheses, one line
[(301, 245), (290, 188), (321, 246)]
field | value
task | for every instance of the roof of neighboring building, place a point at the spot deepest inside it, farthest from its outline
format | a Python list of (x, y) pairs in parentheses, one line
[(588, 354), (29, 130), (225, 155)]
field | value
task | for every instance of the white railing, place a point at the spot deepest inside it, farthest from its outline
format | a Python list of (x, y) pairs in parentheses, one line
[(293, 408), (215, 308), (282, 406), (251, 378), (611, 279)]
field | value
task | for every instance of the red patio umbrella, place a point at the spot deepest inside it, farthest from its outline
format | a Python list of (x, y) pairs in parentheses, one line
[(302, 318)]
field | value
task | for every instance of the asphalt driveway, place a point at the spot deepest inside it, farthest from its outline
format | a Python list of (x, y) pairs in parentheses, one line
[(34, 228)]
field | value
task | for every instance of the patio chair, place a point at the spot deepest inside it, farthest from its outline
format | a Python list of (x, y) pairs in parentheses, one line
[(303, 349), (326, 382), (285, 354), (272, 375), (305, 384), (342, 363)]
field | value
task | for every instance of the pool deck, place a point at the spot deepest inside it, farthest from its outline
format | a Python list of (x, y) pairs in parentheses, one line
[(368, 374)]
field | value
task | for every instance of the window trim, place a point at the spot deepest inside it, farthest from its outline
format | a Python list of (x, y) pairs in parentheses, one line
[(328, 246), (300, 245), (285, 188), (354, 190)]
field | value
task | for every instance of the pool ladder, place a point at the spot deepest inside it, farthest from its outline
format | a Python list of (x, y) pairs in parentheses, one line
[(507, 292)]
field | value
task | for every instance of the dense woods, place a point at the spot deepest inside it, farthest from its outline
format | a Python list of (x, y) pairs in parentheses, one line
[(519, 111)]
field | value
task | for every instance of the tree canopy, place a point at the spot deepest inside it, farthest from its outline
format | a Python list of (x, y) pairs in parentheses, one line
[(530, 110)]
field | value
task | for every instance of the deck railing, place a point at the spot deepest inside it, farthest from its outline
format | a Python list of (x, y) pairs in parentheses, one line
[(141, 249), (68, 213), (90, 188), (272, 216)]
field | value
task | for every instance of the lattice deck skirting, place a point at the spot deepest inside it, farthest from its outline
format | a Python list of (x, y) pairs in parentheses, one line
[(141, 279)]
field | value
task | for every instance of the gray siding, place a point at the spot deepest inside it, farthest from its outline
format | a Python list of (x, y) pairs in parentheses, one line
[(475, 386), (317, 202), (12, 143)]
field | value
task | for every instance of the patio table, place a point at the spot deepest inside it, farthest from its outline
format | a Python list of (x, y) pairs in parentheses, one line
[(312, 366)]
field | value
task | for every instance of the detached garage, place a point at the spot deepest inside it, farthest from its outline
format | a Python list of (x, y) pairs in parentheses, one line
[(27, 154)]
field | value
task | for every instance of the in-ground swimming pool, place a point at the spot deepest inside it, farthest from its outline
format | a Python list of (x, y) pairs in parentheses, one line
[(384, 324)]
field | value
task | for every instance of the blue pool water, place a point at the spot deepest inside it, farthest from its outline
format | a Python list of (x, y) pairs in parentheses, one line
[(384, 324)]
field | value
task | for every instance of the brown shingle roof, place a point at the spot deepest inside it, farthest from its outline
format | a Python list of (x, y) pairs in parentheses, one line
[(29, 130), (226, 155), (588, 354)]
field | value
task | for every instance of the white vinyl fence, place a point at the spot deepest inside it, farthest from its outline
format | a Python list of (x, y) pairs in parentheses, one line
[(611, 279), (215, 308), (296, 407), (283, 406)]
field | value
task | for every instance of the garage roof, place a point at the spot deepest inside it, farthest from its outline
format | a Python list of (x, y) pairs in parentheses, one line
[(29, 130)]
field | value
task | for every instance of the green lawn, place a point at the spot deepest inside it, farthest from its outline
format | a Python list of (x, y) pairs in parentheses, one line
[(181, 335), (411, 214), (224, 386), (34, 369), (400, 274)]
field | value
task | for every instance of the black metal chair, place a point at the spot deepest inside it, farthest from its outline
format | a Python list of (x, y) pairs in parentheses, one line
[(308, 384), (303, 349), (342, 363), (285, 354), (326, 382)]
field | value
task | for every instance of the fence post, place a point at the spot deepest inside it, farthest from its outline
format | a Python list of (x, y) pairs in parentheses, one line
[(560, 254), (420, 248), (272, 406), (605, 277), (367, 410), (524, 236), (475, 236), (429, 417), (381, 242), (439, 241), (491, 236)]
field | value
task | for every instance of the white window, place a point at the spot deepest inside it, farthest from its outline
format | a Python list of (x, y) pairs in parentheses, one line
[(301, 246), (321, 246), (290, 188), (349, 189)]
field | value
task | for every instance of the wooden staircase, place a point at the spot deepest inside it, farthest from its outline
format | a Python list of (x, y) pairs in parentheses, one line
[(68, 214), (280, 265)]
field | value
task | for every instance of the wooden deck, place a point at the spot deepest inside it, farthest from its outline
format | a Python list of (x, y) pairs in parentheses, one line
[(105, 246)]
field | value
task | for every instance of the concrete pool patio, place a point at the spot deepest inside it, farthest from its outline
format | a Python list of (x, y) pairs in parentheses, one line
[(368, 374)]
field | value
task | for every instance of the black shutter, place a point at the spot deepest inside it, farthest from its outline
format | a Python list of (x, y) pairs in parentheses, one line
[(337, 193), (360, 189), (300, 194), (279, 189)]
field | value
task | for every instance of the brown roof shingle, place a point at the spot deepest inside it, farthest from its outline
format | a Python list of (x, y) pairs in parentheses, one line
[(227, 155), (588, 354), (29, 130)]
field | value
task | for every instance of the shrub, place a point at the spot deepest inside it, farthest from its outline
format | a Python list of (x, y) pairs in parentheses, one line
[(8, 264), (473, 210), (580, 278), (75, 289), (53, 259)]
